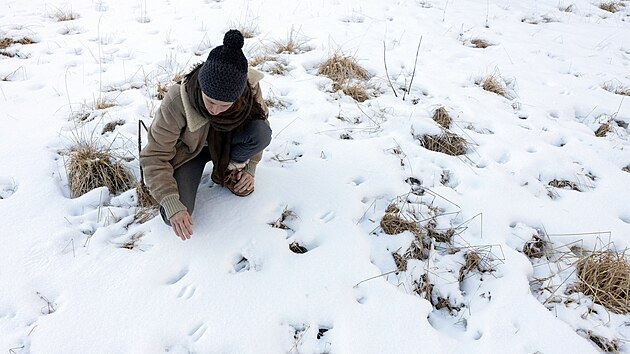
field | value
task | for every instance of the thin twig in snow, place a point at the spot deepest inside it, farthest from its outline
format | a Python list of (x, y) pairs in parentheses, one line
[(386, 72), (415, 64)]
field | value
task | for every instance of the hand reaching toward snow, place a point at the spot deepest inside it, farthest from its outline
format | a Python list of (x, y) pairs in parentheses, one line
[(182, 224)]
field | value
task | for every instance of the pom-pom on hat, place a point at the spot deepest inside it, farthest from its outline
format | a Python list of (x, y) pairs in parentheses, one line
[(224, 74)]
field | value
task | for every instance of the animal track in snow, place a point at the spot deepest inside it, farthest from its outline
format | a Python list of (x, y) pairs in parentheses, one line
[(182, 273), (357, 181), (327, 216), (187, 292), (197, 332), (7, 187), (242, 265)]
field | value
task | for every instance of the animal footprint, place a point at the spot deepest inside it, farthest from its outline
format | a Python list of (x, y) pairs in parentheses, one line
[(187, 292), (241, 265), (327, 216), (7, 187), (197, 332), (182, 273)]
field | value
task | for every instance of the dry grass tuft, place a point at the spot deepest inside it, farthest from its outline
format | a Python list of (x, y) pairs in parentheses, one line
[(472, 261), (394, 224), (347, 75), (568, 8), (441, 117), (565, 184), (535, 247), (143, 215), (424, 288), (605, 344), (260, 59), (297, 248), (494, 83), (162, 90), (65, 15), (358, 91), (293, 44), (480, 43), (605, 275), (444, 236), (341, 68), (400, 261), (25, 41), (132, 243), (145, 199), (91, 167), (103, 103), (111, 126), (602, 130), (617, 89), (610, 6), (626, 169), (5, 42), (446, 143), (286, 215)]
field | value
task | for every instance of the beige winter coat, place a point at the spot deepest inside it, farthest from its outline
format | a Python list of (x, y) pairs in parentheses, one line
[(177, 135)]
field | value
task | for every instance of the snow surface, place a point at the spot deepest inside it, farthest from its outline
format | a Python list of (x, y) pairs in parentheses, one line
[(69, 287)]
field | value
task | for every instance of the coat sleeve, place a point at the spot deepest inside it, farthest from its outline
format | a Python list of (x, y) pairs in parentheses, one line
[(160, 149), (253, 162)]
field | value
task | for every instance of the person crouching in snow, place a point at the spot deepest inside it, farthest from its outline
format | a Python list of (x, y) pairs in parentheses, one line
[(216, 114)]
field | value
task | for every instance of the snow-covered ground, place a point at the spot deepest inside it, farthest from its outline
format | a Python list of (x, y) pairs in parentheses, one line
[(68, 286)]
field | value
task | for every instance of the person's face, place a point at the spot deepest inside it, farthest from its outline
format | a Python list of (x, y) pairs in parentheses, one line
[(213, 106)]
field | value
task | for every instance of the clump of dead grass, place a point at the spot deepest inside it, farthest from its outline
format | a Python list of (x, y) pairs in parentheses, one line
[(5, 42), (62, 15), (610, 6), (472, 261), (358, 91), (626, 169), (284, 216), (347, 75), (393, 223), (605, 344), (565, 184), (567, 8), (617, 89), (603, 130), (605, 275), (297, 248), (424, 288), (480, 43), (145, 199), (341, 68), (494, 83), (400, 261), (91, 166), (442, 117), (294, 43), (111, 126), (535, 247), (103, 103), (260, 59), (446, 143)]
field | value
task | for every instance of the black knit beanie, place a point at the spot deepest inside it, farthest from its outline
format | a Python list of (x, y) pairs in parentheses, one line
[(224, 74)]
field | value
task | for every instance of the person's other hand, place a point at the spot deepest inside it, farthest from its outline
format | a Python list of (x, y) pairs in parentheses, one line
[(182, 224), (245, 182)]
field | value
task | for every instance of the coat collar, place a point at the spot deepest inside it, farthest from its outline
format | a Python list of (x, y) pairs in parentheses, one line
[(194, 119)]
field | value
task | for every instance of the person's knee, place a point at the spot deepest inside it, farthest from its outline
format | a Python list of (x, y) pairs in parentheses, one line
[(263, 134)]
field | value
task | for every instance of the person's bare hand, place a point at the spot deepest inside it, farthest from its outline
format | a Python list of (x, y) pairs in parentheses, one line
[(182, 224), (245, 182)]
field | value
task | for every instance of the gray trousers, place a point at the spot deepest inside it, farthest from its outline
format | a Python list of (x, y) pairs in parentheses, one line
[(254, 138)]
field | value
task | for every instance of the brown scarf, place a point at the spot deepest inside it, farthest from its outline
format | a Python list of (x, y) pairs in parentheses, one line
[(223, 125)]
